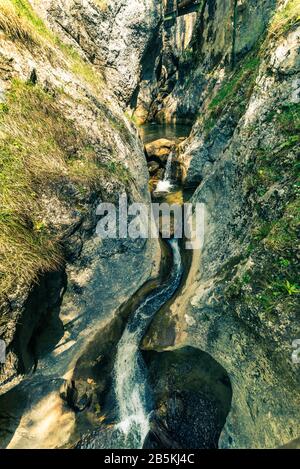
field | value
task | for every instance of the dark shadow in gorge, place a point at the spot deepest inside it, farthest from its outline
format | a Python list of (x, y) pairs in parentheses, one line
[(41, 327), (192, 398), (37, 334), (12, 405)]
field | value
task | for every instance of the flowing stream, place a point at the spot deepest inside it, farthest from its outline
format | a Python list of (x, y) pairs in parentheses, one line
[(132, 393), (38, 417)]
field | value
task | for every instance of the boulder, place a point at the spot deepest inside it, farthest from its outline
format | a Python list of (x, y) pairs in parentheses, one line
[(160, 149), (153, 167)]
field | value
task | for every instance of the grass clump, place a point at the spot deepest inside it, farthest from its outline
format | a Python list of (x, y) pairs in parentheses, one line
[(19, 22), (277, 164), (34, 145), (234, 93), (271, 287), (15, 26), (229, 89), (283, 236), (284, 19), (289, 119), (101, 4), (39, 149), (275, 279)]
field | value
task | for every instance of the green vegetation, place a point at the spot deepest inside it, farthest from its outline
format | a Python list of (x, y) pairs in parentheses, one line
[(291, 289), (14, 26), (283, 235), (132, 117), (288, 119), (234, 93), (285, 19), (39, 147), (237, 88), (188, 58), (271, 181), (275, 285), (277, 164), (229, 89), (274, 243), (41, 151), (271, 286)]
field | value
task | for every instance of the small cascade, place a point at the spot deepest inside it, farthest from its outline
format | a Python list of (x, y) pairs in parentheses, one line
[(166, 184), (131, 386), (168, 172)]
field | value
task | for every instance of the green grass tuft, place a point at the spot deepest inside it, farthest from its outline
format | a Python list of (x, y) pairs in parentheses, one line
[(20, 23), (229, 89), (285, 19), (234, 93), (39, 147), (15, 26)]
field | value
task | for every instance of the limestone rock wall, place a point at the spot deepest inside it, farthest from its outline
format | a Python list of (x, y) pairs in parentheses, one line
[(223, 34), (64, 69), (239, 304), (114, 35)]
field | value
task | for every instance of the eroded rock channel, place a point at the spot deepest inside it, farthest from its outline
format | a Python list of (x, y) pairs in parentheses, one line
[(117, 396), (150, 399)]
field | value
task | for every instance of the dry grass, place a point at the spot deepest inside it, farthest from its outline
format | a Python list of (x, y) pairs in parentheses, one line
[(40, 148), (285, 18), (37, 146), (101, 4), (20, 23), (14, 26)]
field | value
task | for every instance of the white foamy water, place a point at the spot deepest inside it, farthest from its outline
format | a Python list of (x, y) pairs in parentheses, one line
[(163, 186), (132, 392)]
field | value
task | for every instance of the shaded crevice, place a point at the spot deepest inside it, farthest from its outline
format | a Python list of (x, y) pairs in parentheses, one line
[(192, 398), (41, 328)]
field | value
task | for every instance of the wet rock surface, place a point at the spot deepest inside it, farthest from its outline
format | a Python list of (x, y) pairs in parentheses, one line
[(160, 149), (158, 153)]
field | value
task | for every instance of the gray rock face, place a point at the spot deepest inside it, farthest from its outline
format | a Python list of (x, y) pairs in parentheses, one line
[(240, 298), (66, 308), (114, 35), (238, 304), (223, 33)]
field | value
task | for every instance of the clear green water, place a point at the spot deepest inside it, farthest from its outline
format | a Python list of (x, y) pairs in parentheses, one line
[(153, 131)]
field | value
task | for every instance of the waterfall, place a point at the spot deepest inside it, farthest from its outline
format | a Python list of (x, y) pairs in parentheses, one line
[(168, 172), (165, 185), (132, 393)]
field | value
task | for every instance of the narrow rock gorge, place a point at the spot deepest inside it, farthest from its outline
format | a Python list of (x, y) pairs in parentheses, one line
[(136, 342)]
